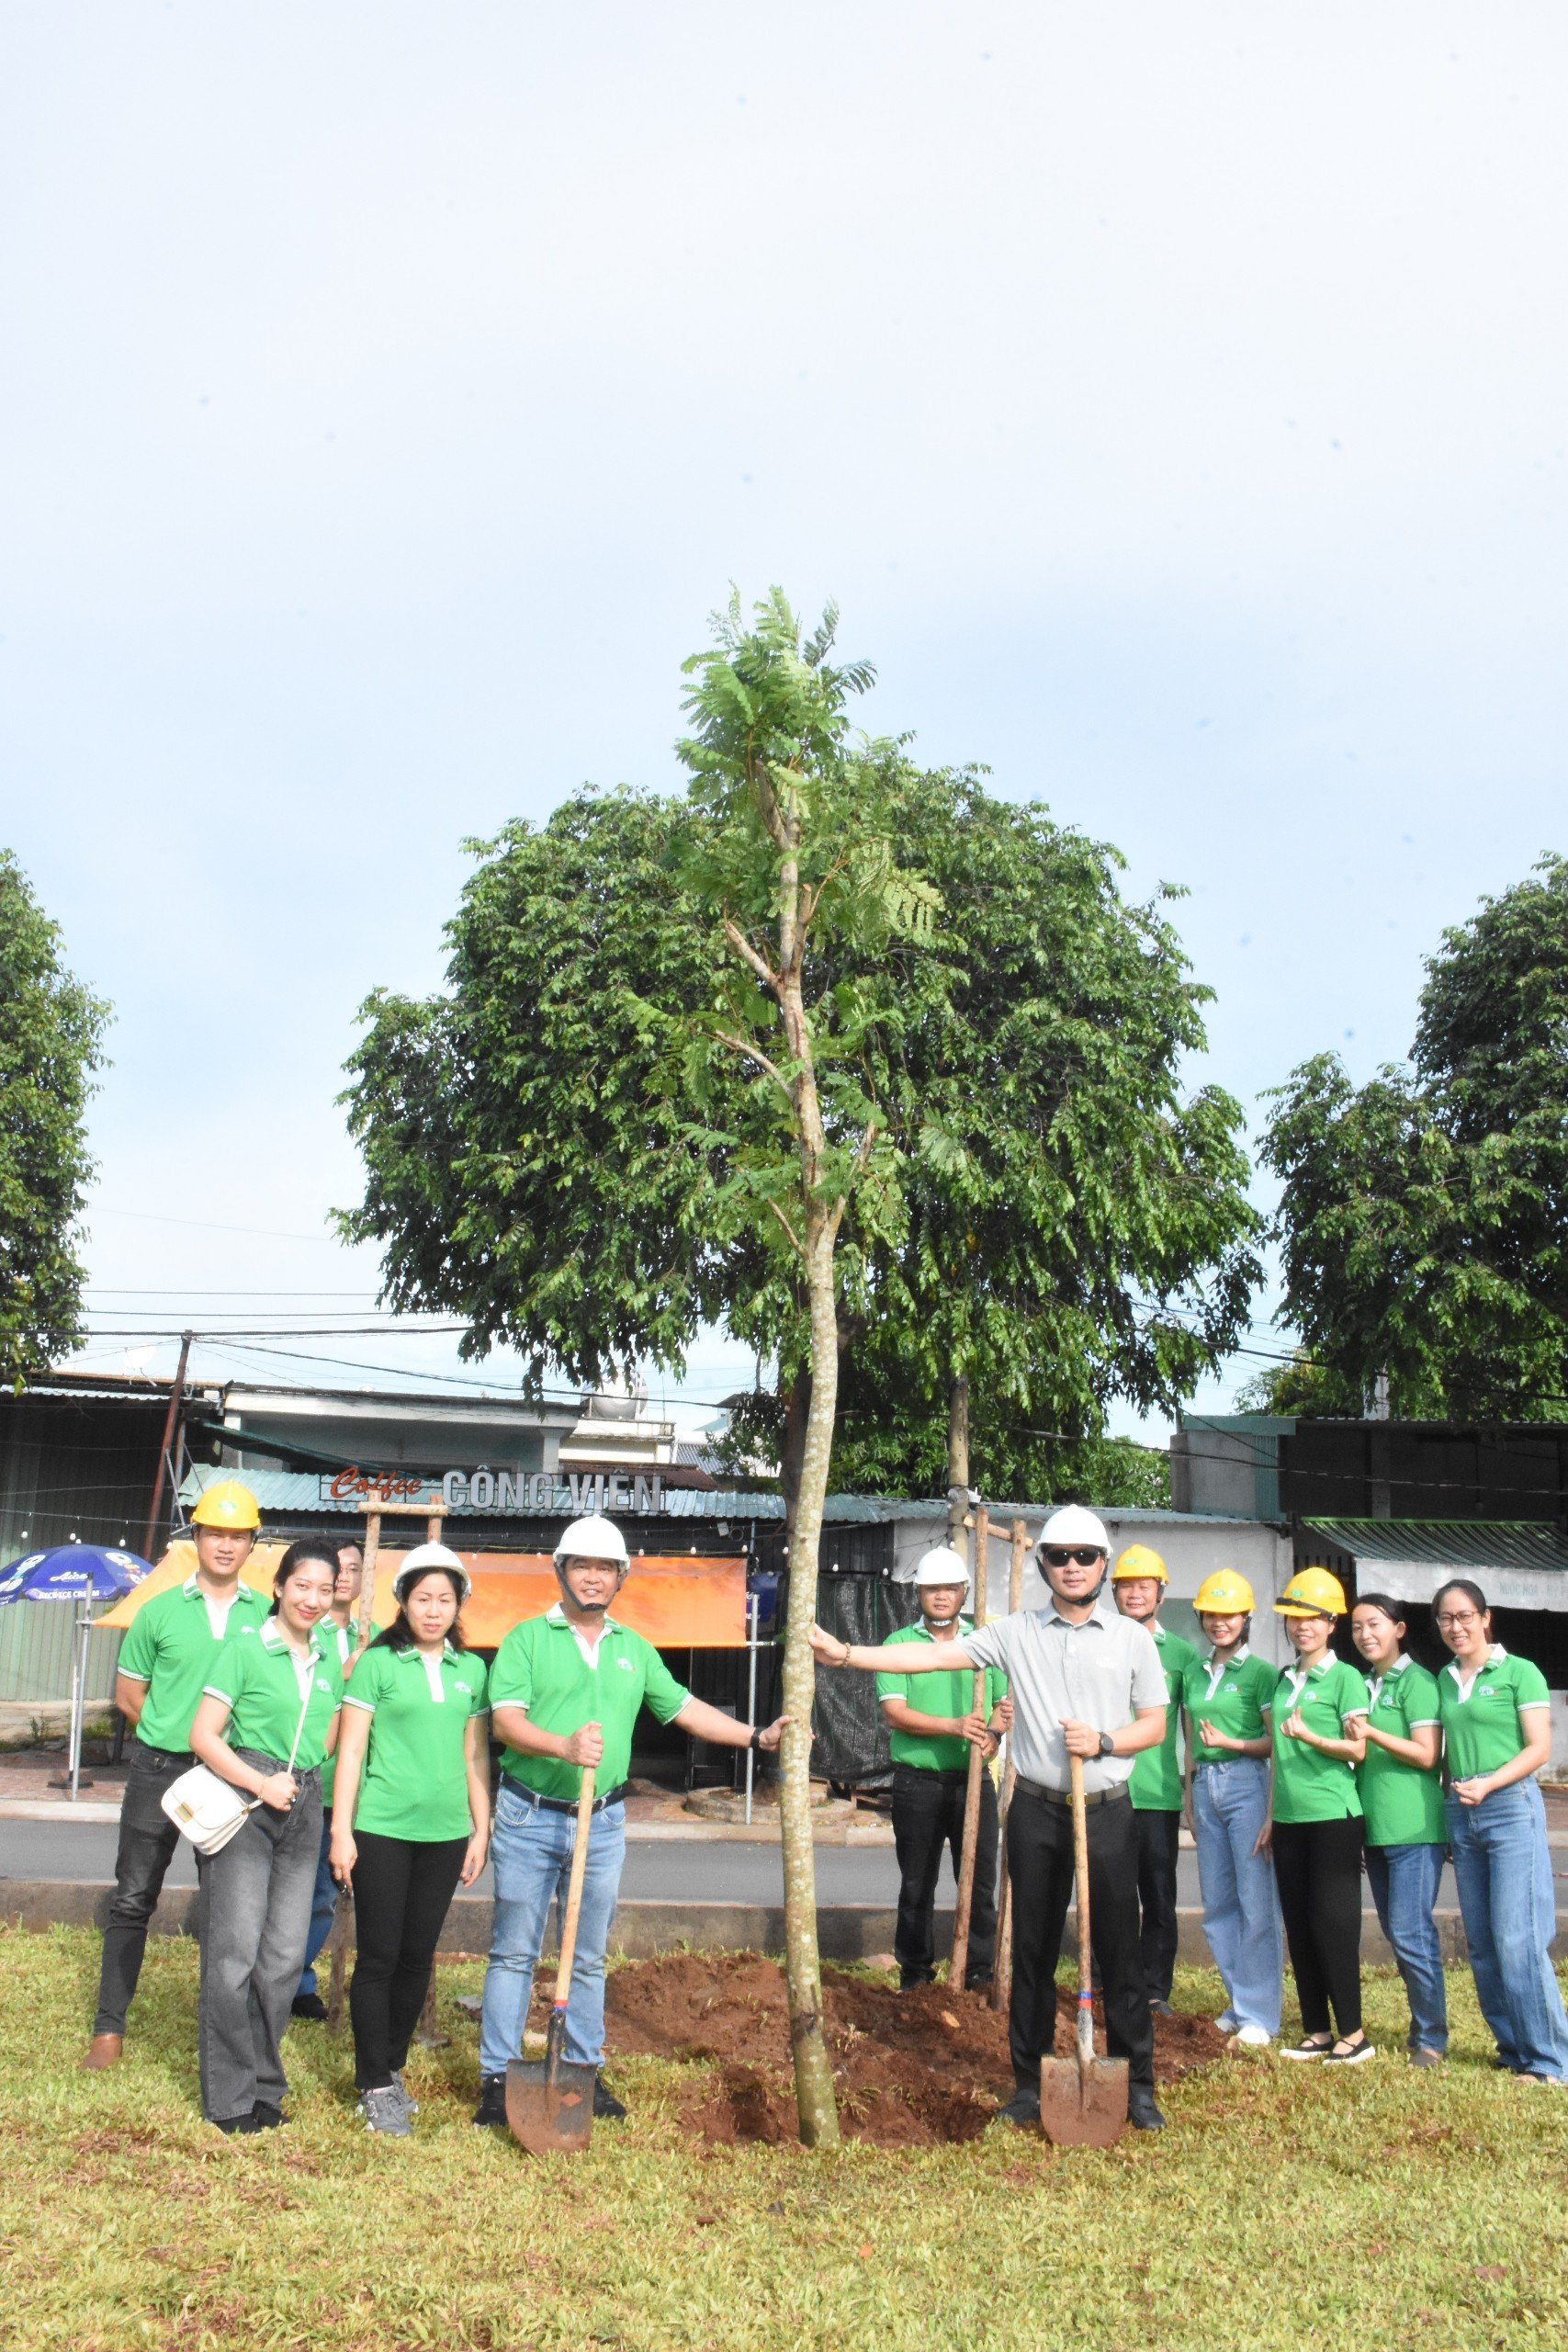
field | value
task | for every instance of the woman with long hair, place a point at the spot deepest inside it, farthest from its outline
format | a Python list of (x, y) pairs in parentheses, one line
[(411, 1816), (1320, 1705), (1496, 1721), (266, 1722), (1401, 1801)]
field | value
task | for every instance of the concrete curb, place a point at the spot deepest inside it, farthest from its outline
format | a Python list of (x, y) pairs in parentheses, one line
[(846, 1932)]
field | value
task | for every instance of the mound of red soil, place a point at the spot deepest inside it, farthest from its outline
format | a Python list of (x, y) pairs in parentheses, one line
[(911, 2068)]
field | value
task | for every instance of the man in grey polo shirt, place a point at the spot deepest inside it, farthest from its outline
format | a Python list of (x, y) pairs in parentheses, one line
[(1084, 1681)]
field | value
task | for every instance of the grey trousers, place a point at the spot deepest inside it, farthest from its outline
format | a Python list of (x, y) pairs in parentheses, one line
[(256, 1897)]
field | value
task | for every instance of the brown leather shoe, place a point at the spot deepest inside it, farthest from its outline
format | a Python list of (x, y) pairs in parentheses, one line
[(104, 2050)]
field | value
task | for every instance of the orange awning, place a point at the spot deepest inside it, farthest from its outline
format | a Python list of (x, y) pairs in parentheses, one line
[(680, 1600)]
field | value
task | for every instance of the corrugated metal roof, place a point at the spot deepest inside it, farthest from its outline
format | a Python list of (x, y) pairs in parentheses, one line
[(1448, 1543), (300, 1493)]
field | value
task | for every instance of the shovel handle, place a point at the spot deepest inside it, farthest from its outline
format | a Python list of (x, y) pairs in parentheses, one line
[(574, 1890), (1080, 1899)]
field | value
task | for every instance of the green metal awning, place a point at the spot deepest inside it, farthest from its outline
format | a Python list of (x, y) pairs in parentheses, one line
[(1519, 1562)]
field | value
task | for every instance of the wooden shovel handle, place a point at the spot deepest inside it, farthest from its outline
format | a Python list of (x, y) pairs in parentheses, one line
[(1080, 1898), (969, 1846), (575, 1887)]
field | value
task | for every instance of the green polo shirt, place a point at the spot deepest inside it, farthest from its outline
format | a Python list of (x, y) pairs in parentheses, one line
[(1156, 1784), (1240, 1697), (1403, 1805), (254, 1671), (346, 1637), (539, 1667), (1307, 1786), (1482, 1731), (170, 1646), (415, 1782), (936, 1694)]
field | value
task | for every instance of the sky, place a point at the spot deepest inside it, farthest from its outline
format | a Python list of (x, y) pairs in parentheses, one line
[(1173, 400)]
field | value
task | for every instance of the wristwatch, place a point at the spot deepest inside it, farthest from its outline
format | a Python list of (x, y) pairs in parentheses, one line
[(1107, 1744)]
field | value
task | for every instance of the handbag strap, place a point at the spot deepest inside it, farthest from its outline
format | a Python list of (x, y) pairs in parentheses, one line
[(304, 1709)]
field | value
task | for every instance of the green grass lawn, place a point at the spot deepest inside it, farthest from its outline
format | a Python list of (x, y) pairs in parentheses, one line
[(1283, 2208)]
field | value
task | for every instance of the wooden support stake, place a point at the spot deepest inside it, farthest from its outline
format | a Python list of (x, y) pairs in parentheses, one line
[(958, 1966), (1001, 1975)]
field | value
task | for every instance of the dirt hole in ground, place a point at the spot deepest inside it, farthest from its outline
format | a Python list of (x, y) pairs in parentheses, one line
[(912, 2069)]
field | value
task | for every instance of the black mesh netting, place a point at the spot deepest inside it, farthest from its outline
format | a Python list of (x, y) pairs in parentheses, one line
[(852, 1738)]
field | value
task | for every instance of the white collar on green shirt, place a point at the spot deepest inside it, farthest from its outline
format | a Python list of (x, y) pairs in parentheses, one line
[(555, 1615), (242, 1591), (1234, 1658), (1375, 1681), (1465, 1683), (273, 1638), (960, 1624)]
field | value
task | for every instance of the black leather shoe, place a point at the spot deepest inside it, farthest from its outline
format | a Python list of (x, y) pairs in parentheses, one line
[(491, 2108), (309, 2005), (1142, 2112), (1022, 2111), (266, 2116), (235, 2123), (607, 2105)]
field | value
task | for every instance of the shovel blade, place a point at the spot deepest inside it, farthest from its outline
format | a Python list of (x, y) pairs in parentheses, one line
[(550, 2110), (1083, 2107)]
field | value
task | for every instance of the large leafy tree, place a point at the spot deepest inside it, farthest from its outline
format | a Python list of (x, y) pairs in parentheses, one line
[(1073, 1227), (51, 1032), (1424, 1217)]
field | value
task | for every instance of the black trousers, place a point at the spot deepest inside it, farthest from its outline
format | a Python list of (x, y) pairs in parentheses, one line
[(1040, 1861), (1158, 1844), (147, 1842), (928, 1813), (1317, 1867), (403, 1888)]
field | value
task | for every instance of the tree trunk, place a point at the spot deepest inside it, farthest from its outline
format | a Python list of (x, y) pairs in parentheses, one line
[(813, 2070), (958, 1464), (791, 1452)]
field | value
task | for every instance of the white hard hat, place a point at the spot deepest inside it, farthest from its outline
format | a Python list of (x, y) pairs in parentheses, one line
[(431, 1556), (942, 1566), (1073, 1525), (592, 1538)]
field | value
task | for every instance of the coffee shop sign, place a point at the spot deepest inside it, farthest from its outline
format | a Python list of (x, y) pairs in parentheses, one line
[(500, 1493)]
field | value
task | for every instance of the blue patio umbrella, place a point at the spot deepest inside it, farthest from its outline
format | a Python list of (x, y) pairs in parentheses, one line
[(82, 1573)]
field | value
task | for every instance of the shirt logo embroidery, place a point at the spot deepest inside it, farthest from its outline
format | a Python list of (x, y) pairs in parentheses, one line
[(625, 1664)]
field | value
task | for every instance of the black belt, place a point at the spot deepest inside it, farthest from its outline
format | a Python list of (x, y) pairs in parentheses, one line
[(569, 1804), (1063, 1796)]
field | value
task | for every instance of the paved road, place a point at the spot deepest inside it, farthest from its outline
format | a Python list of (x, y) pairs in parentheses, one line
[(669, 1871)]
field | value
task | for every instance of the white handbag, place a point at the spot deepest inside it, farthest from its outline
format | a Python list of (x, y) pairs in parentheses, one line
[(209, 1809)]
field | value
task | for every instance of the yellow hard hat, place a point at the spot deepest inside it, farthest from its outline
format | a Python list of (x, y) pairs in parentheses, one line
[(227, 1504), (1313, 1593), (1138, 1560), (1225, 1594)]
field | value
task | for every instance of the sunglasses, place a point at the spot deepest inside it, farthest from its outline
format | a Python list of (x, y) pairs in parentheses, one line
[(1085, 1555)]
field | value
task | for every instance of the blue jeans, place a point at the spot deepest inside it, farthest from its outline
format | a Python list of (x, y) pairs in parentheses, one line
[(1503, 1865), (530, 1852), (1403, 1880), (1241, 1907), (323, 1907)]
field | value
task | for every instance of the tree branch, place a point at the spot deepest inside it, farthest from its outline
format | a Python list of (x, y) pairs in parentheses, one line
[(790, 1234), (749, 955), (754, 1054)]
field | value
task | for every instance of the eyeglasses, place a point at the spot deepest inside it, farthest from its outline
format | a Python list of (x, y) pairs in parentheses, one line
[(1451, 1622), (1084, 1553)]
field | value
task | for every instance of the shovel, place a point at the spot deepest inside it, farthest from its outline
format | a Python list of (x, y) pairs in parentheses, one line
[(1083, 2100), (550, 2100)]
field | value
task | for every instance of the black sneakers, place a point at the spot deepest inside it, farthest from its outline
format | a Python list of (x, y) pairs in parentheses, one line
[(1022, 2111), (310, 2005), (1142, 2112), (607, 2105), (266, 2117), (491, 2108)]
